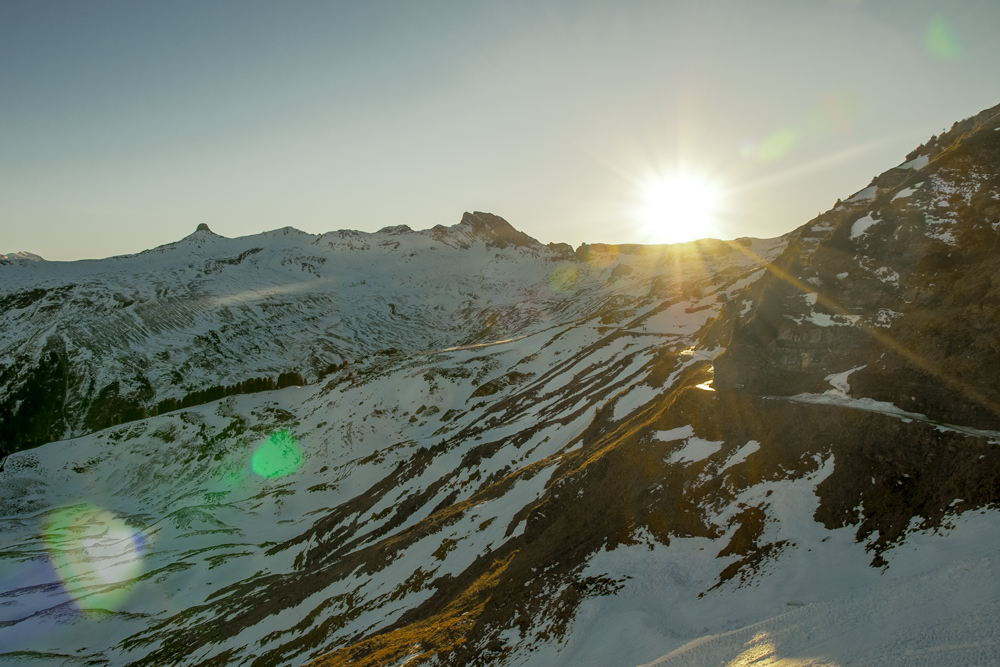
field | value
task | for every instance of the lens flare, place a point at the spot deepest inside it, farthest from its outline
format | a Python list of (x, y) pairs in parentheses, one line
[(941, 41), (96, 554), (278, 456), (563, 278), (778, 144), (601, 260), (834, 112), (679, 208)]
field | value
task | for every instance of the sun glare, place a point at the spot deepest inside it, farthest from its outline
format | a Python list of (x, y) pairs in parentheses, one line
[(680, 208)]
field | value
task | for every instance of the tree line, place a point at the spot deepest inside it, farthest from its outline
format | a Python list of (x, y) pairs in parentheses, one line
[(203, 396)]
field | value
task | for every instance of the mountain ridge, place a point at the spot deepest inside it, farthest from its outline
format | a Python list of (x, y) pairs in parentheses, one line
[(721, 452), (201, 296)]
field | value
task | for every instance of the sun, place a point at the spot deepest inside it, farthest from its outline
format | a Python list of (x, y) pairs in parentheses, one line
[(681, 207)]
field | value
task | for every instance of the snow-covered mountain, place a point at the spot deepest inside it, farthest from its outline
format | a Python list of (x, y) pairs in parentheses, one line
[(88, 344), (496, 452)]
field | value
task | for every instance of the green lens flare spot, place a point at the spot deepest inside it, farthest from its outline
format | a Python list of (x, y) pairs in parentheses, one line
[(941, 41), (278, 456), (778, 144), (96, 554)]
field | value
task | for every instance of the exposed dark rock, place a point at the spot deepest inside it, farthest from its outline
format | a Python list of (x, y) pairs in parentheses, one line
[(497, 232)]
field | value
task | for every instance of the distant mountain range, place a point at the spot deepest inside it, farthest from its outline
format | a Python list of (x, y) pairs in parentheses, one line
[(460, 446)]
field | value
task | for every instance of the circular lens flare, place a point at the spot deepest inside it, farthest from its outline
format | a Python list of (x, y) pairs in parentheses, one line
[(96, 554), (680, 208), (278, 456)]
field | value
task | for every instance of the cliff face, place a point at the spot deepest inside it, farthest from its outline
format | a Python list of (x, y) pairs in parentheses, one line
[(901, 280), (882, 315), (517, 454)]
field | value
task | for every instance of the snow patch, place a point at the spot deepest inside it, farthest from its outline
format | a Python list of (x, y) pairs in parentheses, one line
[(938, 228), (885, 316), (696, 449), (680, 318), (887, 275), (742, 453), (917, 163), (703, 353), (864, 195), (906, 192), (636, 397), (823, 227), (839, 382), (679, 433), (826, 320), (861, 225)]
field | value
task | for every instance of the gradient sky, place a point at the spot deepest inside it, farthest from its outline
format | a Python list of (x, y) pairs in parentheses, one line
[(124, 125)]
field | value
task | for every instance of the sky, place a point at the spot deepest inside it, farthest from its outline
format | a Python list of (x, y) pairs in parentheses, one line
[(124, 125)]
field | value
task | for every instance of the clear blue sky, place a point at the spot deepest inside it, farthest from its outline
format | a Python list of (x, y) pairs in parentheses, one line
[(123, 125)]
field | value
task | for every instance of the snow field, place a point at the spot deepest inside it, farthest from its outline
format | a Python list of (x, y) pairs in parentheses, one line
[(223, 310)]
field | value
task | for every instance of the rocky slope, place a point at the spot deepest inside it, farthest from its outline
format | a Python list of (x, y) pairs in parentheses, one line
[(509, 453)]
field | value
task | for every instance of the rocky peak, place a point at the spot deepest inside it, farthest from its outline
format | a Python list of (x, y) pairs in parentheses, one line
[(395, 230), (496, 231), (22, 256)]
